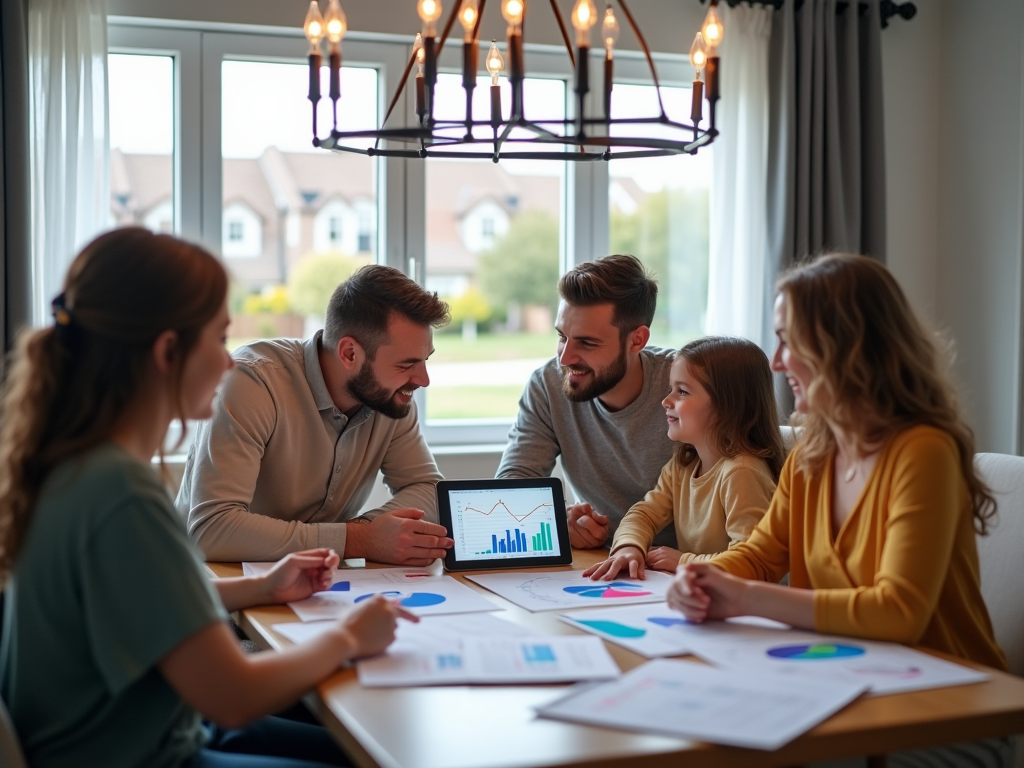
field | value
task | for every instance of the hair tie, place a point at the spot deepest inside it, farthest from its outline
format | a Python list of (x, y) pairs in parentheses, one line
[(61, 314)]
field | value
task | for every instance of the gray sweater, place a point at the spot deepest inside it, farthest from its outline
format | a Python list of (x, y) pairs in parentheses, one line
[(610, 459)]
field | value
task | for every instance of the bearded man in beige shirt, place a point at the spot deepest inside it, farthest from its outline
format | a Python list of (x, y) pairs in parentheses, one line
[(300, 430)]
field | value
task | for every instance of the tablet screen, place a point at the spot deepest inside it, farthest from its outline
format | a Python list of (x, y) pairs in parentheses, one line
[(494, 525)]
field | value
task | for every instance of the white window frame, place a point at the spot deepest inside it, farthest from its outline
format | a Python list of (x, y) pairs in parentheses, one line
[(199, 49)]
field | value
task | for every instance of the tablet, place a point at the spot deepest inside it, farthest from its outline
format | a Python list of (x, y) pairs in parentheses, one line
[(504, 523)]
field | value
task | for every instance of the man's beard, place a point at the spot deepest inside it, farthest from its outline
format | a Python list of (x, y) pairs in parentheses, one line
[(365, 388), (602, 381)]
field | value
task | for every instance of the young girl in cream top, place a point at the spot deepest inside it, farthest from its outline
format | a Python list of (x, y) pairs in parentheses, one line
[(721, 411)]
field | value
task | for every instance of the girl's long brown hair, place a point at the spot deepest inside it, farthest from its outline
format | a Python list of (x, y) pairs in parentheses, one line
[(876, 369), (738, 378), (68, 384)]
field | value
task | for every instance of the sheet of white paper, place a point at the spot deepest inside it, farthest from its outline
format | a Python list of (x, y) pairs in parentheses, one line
[(417, 591), (493, 659), (884, 667), (656, 630), (561, 590), (693, 701)]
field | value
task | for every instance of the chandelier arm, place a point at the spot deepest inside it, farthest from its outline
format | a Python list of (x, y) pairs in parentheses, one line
[(565, 34), (479, 15), (646, 50), (398, 95), (448, 26)]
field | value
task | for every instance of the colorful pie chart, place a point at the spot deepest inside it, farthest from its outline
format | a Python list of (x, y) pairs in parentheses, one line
[(815, 652), (408, 599), (615, 589)]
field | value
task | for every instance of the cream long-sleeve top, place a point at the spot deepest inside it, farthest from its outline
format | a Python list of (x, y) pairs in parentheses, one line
[(280, 469), (904, 565), (712, 513)]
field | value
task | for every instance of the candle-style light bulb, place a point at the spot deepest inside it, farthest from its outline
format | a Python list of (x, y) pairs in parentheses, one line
[(584, 16), (421, 55), (609, 31), (314, 27), (336, 24), (430, 12), (713, 30), (698, 53), (494, 62), (513, 11), (467, 16)]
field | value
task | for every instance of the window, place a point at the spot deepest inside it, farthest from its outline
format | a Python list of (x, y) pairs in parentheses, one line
[(292, 221), (658, 211), (494, 244), (301, 199), (142, 127)]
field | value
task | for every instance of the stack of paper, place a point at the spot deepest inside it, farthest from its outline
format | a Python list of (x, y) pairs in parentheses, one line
[(692, 701)]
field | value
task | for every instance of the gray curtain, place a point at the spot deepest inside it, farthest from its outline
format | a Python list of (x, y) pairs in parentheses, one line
[(15, 193), (826, 147)]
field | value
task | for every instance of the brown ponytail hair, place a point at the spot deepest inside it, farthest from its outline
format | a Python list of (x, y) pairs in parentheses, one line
[(68, 384), (875, 367), (738, 378)]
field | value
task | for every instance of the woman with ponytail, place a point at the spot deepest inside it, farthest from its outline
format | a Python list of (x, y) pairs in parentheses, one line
[(114, 640)]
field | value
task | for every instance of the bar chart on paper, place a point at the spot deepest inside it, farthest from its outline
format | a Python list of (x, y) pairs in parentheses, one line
[(506, 523)]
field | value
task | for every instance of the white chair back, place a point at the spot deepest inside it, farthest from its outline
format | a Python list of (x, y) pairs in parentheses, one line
[(1002, 554), (11, 755)]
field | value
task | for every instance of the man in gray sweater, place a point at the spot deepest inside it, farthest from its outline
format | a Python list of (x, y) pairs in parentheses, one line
[(300, 430), (597, 403)]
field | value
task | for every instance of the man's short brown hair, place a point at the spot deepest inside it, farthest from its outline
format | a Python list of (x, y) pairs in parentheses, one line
[(620, 280), (362, 305)]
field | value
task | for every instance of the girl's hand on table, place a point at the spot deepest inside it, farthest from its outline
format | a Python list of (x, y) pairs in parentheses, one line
[(663, 559), (629, 560), (299, 574)]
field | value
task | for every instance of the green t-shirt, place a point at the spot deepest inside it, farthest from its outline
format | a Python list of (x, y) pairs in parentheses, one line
[(105, 586)]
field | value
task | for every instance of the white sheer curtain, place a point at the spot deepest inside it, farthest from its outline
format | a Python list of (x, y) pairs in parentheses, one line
[(69, 125), (737, 237)]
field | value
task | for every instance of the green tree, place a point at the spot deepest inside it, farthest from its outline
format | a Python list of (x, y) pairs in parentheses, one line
[(522, 267), (312, 282)]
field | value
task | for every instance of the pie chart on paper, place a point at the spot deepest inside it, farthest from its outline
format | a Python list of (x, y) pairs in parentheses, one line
[(815, 652), (611, 591), (408, 599)]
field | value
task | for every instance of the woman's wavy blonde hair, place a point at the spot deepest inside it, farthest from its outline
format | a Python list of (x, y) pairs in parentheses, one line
[(875, 367), (68, 384)]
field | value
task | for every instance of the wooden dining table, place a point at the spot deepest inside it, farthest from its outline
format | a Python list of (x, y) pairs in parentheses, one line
[(495, 726)]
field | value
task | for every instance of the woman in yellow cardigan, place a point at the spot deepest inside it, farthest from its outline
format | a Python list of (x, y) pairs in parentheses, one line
[(877, 506)]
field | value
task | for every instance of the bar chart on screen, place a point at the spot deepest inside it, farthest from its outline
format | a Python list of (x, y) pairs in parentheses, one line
[(496, 524)]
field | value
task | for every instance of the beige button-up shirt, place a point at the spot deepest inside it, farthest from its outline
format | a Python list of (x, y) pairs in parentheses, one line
[(280, 469)]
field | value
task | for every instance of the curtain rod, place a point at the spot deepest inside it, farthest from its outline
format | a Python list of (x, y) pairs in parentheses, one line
[(887, 8)]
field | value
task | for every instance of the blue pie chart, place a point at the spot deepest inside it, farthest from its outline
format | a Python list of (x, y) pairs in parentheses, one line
[(408, 599)]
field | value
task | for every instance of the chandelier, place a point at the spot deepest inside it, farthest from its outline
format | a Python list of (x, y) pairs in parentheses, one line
[(517, 133)]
